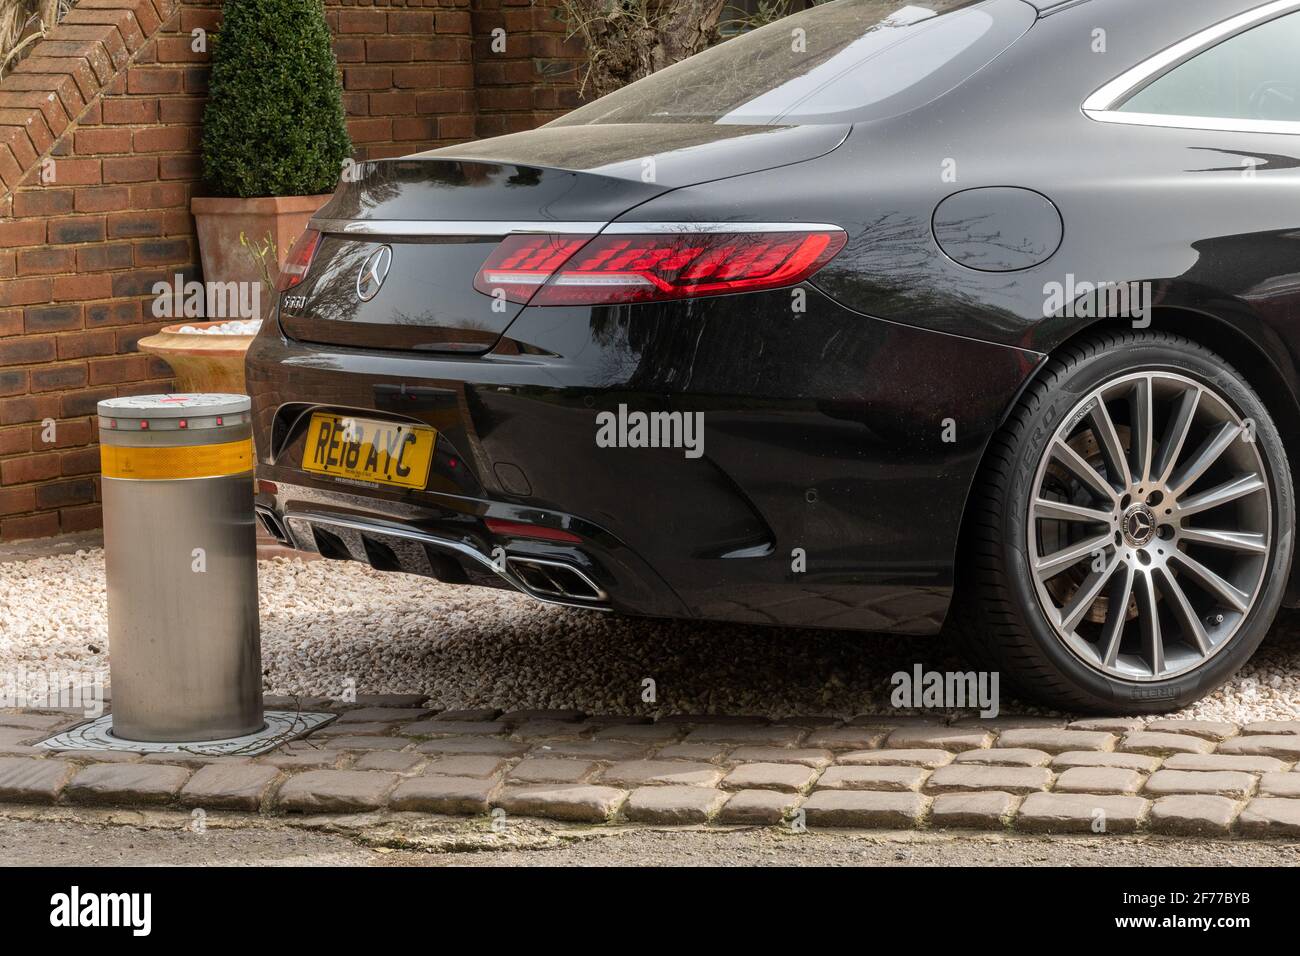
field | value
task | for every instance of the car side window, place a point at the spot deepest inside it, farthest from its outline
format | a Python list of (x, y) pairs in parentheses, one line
[(1254, 75)]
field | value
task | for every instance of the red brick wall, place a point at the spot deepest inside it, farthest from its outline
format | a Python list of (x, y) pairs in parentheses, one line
[(111, 103), (408, 79), (534, 80)]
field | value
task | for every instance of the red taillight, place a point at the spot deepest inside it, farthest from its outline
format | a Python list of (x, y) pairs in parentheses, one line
[(613, 268), (298, 261), (520, 265)]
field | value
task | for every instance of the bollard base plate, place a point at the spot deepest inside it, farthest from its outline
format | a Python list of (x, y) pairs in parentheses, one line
[(281, 727)]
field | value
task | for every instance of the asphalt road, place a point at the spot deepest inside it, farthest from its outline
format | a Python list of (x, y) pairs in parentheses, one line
[(63, 842)]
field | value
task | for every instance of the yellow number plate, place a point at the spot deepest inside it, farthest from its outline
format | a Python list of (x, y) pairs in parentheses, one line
[(366, 449)]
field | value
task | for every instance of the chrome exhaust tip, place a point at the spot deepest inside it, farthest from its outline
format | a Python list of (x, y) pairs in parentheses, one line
[(555, 579)]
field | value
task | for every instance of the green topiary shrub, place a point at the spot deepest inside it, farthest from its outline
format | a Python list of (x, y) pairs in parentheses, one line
[(274, 121)]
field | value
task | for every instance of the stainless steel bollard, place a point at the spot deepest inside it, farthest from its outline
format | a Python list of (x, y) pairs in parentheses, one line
[(181, 560)]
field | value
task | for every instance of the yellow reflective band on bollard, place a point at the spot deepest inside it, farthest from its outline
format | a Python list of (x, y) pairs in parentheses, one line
[(186, 461)]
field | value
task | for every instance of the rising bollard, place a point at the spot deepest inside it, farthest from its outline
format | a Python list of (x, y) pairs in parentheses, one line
[(181, 564)]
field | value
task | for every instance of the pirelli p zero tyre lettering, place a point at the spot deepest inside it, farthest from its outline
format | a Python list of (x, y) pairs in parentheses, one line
[(1132, 532)]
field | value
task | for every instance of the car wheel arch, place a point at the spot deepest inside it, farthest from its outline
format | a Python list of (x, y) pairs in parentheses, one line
[(1254, 363)]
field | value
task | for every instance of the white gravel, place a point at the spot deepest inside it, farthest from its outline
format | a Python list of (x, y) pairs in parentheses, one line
[(325, 623), (233, 327)]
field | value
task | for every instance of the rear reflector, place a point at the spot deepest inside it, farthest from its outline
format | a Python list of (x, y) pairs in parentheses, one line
[(298, 261), (613, 269), (518, 529)]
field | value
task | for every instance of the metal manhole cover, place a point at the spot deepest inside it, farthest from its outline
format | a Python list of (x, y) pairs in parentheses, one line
[(281, 727)]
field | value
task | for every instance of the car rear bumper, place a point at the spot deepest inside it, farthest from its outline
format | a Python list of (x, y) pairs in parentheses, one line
[(443, 532), (824, 494)]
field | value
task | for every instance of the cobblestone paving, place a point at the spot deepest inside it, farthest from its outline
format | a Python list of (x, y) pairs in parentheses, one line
[(1033, 774)]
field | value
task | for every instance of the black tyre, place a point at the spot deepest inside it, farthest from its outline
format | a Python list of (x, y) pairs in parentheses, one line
[(1131, 535)]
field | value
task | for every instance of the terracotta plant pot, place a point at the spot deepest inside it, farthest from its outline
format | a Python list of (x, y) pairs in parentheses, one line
[(202, 363), (219, 220)]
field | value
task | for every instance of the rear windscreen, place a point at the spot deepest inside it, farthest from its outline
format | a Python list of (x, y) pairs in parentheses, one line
[(842, 62)]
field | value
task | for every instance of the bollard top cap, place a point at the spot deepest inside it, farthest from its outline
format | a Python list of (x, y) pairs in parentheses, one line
[(180, 405)]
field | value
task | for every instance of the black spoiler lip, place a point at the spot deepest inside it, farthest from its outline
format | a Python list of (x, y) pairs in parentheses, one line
[(445, 189), (669, 154)]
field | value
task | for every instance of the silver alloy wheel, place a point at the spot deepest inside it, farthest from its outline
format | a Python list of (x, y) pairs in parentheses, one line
[(1151, 526)]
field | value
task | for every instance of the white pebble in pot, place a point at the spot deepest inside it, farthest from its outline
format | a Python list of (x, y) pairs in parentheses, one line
[(234, 327)]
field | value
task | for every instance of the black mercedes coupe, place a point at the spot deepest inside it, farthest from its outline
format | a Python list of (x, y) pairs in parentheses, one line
[(877, 318)]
